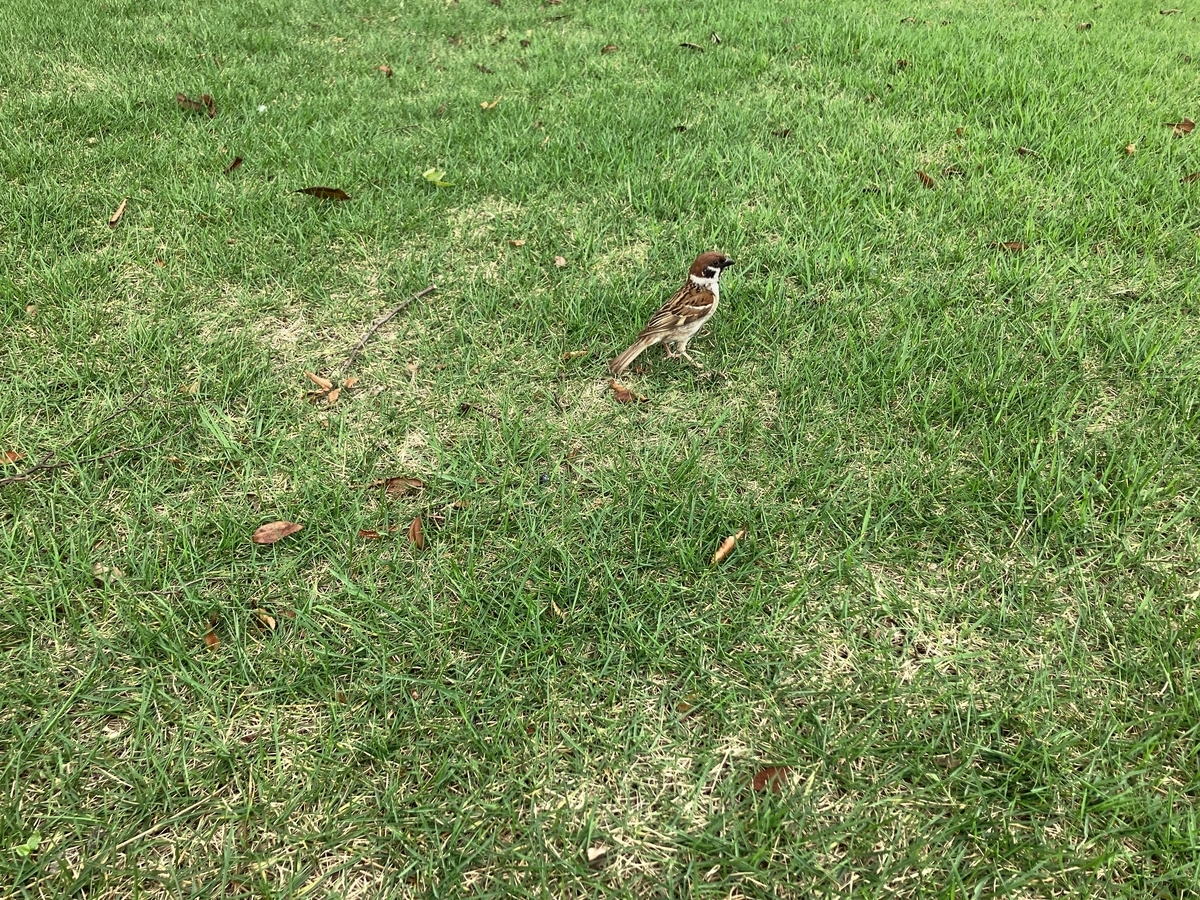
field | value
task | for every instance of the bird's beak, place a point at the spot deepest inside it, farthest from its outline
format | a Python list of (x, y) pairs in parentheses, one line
[(727, 264)]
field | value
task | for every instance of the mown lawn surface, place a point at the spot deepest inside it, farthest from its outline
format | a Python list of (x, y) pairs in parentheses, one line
[(955, 654)]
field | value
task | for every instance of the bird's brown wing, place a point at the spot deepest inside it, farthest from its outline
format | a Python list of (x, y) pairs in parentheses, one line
[(690, 304)]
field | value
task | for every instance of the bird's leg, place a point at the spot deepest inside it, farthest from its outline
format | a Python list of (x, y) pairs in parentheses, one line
[(681, 349), (669, 349)]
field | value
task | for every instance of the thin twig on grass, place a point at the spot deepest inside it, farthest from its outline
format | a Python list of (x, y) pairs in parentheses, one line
[(44, 463), (379, 323)]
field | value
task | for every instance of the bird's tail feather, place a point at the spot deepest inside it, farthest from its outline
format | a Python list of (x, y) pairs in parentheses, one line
[(632, 352)]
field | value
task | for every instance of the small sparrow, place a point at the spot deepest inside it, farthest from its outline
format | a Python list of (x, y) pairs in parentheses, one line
[(678, 320)]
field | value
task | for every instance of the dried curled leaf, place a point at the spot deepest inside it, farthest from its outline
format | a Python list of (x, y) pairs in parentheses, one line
[(560, 261), (274, 531), (416, 535), (105, 574), (1179, 129), (1009, 246), (325, 193), (726, 547), (623, 394), (265, 619), (770, 778), (386, 70), (609, 48), (11, 457), (189, 105), (237, 161), (211, 641), (1191, 179), (926, 180), (323, 383)]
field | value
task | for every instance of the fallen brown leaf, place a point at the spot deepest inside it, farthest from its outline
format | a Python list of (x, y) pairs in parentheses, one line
[(274, 531), (485, 105), (369, 534), (623, 394), (1191, 179), (265, 619), (575, 354), (211, 641), (1179, 129), (726, 547), (1130, 149), (332, 397), (959, 131), (116, 217), (926, 180), (597, 854), (688, 45), (325, 193), (518, 242), (415, 534), (237, 161), (323, 383), (484, 69), (399, 485), (782, 132), (1009, 246), (1025, 151), (560, 261), (386, 70), (209, 104), (902, 64), (11, 457), (609, 48), (771, 778), (350, 382), (31, 310), (189, 105), (192, 389)]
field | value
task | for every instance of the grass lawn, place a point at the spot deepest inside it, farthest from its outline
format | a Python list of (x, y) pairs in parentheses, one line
[(956, 652)]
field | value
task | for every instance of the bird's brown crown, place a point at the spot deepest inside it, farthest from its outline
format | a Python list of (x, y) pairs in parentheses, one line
[(709, 265)]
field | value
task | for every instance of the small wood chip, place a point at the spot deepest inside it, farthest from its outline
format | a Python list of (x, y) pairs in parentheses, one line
[(116, 217)]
